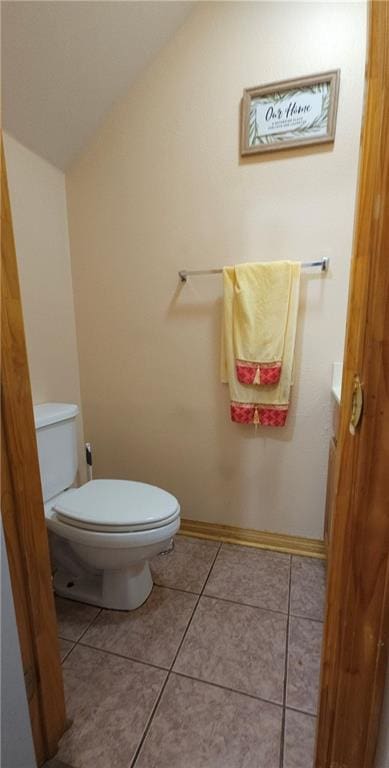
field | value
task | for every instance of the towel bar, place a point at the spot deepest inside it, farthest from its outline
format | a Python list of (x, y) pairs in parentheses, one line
[(185, 273)]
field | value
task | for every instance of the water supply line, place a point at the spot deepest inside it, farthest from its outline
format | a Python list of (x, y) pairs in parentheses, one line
[(89, 461)]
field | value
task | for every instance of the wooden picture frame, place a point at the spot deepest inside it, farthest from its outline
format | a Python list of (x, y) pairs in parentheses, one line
[(290, 113)]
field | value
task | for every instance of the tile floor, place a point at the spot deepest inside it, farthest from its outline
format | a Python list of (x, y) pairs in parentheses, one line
[(218, 669)]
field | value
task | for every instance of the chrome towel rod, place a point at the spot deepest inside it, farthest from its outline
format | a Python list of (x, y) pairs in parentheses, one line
[(185, 273)]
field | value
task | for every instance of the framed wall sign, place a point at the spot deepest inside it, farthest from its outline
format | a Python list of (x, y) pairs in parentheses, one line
[(291, 113)]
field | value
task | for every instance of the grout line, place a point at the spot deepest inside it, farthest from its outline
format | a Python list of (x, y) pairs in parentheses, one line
[(307, 618), (71, 600), (246, 605), (127, 658), (70, 649), (176, 589), (228, 599), (76, 642), (151, 718), (60, 637), (226, 688), (185, 633), (190, 677), (90, 624), (195, 608), (282, 742), (149, 721), (303, 712), (211, 568)]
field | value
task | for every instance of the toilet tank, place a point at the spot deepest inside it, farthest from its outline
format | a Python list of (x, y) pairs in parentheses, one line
[(56, 434)]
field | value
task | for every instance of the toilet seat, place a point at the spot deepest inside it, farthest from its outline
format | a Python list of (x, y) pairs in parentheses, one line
[(117, 506)]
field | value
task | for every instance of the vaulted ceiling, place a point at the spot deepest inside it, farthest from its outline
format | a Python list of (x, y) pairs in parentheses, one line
[(64, 64)]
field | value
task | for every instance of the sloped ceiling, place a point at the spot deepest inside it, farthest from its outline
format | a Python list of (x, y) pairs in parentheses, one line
[(65, 63)]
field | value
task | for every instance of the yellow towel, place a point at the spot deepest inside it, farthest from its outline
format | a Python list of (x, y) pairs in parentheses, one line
[(252, 404), (261, 305)]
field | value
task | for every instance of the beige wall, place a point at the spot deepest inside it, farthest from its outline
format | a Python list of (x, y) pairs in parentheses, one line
[(161, 188), (38, 201)]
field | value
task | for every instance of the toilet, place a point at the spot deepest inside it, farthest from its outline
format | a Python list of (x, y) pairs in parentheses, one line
[(102, 534)]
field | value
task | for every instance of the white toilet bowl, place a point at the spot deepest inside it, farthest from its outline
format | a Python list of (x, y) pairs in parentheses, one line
[(103, 534), (102, 537)]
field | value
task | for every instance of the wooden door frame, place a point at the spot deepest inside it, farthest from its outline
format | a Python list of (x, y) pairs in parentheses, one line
[(356, 633), (22, 511)]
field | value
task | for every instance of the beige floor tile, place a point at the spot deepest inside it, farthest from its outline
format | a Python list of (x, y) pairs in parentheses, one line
[(197, 725), (151, 633), (299, 741), (236, 646), (187, 567), (305, 639), (307, 591), (110, 701), (251, 576), (73, 618)]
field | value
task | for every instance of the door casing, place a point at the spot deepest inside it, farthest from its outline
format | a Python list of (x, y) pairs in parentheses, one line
[(356, 632), (22, 511)]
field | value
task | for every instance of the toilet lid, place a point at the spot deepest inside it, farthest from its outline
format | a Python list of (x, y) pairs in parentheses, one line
[(118, 506)]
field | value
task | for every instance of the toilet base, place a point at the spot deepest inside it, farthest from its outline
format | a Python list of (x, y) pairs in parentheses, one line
[(122, 590)]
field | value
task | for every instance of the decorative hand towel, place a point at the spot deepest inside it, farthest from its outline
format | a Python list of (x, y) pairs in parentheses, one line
[(261, 306), (251, 404)]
